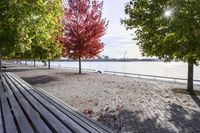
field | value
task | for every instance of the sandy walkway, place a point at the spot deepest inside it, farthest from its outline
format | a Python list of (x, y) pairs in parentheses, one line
[(122, 103)]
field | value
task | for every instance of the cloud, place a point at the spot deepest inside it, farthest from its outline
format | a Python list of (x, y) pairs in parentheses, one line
[(117, 39), (117, 44)]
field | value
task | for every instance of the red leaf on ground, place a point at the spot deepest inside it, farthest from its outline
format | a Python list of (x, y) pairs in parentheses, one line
[(88, 111), (107, 109), (89, 100)]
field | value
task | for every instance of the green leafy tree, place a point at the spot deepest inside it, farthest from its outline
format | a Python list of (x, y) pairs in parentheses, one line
[(14, 19), (45, 45), (8, 28), (30, 29), (167, 29), (43, 32)]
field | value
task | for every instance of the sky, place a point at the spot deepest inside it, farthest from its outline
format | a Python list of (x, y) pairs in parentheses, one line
[(117, 40)]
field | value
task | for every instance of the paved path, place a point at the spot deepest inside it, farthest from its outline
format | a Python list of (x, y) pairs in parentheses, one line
[(127, 105)]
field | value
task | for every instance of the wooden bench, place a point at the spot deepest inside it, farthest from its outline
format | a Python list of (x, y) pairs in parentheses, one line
[(29, 110)]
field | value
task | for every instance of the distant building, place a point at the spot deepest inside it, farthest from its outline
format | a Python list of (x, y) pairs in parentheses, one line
[(106, 57), (99, 58)]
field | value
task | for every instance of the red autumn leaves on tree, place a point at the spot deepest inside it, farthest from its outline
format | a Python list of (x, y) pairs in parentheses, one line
[(83, 29)]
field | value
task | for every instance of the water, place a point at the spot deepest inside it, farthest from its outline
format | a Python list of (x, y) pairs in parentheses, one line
[(173, 69)]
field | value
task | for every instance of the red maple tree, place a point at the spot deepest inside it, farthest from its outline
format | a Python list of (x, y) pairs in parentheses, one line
[(83, 29)]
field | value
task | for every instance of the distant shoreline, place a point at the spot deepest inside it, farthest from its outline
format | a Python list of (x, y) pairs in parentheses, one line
[(115, 60)]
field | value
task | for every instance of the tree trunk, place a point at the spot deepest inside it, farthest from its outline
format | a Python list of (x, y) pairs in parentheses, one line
[(49, 64), (34, 62), (26, 62), (45, 63), (79, 65), (190, 77)]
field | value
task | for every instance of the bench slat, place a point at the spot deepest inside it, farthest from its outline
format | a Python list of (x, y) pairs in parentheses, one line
[(38, 123), (65, 119), (53, 122), (1, 117), (1, 88), (21, 119), (1, 120), (10, 126), (79, 118)]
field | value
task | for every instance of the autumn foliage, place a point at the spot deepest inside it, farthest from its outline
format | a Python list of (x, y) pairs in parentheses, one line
[(83, 30)]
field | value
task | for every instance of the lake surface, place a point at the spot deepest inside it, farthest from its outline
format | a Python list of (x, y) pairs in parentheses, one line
[(173, 69)]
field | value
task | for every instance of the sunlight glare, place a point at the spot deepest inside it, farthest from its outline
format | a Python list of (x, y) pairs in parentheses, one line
[(168, 12)]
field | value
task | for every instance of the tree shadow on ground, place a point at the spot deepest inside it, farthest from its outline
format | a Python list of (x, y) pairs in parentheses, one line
[(22, 68), (185, 121), (43, 79), (179, 120), (196, 99), (16, 70), (128, 121), (70, 74)]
